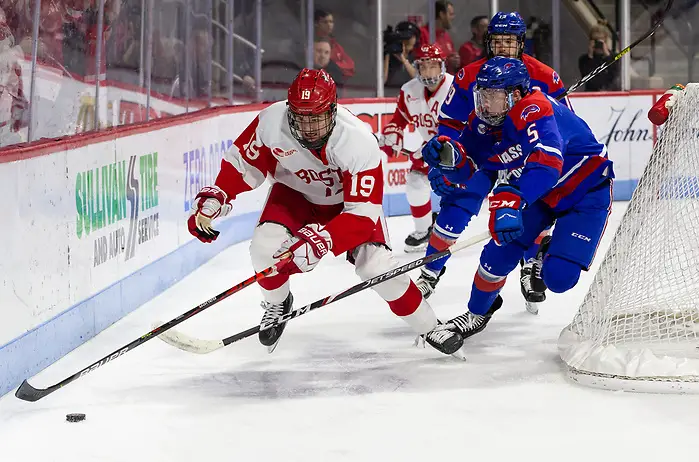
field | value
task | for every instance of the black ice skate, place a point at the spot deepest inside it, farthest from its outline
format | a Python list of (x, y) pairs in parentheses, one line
[(469, 324), (427, 282), (417, 241), (444, 340), (531, 297), (538, 284), (270, 337)]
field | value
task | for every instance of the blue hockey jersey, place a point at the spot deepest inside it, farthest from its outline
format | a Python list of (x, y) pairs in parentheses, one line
[(460, 102), (548, 152)]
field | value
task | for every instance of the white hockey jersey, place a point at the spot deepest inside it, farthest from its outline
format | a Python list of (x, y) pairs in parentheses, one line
[(417, 106), (346, 170)]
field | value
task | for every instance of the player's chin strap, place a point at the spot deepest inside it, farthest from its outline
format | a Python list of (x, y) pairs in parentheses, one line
[(201, 346)]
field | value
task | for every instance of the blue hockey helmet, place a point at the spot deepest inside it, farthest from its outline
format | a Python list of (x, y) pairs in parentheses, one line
[(496, 83), (505, 36)]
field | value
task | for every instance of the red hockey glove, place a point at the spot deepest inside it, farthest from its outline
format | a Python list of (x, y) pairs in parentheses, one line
[(303, 251), (392, 140), (209, 204), (660, 111)]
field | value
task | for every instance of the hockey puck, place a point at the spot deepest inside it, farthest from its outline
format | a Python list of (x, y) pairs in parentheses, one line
[(75, 417)]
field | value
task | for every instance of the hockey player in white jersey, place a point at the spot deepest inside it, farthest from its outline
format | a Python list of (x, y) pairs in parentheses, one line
[(419, 102), (325, 168)]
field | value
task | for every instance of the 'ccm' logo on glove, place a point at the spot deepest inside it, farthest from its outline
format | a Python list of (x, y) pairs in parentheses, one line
[(512, 203)]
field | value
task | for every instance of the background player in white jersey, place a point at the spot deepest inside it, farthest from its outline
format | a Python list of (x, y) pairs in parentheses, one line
[(326, 196), (419, 102)]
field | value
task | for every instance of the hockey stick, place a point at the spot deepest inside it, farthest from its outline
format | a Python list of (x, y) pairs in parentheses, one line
[(27, 392), (201, 346), (604, 66)]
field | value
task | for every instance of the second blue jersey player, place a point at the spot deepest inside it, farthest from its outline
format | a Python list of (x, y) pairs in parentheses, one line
[(505, 37), (549, 168)]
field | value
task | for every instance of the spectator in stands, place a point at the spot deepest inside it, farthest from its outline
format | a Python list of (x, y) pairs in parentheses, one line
[(444, 14), (321, 60), (398, 58), (80, 36), (201, 84), (474, 49), (50, 40), (324, 26), (598, 51), (14, 107)]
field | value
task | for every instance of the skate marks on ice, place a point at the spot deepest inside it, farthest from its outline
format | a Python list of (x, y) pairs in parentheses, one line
[(324, 367)]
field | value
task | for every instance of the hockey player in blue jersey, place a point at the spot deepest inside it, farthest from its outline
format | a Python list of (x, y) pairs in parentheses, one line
[(550, 168), (506, 34)]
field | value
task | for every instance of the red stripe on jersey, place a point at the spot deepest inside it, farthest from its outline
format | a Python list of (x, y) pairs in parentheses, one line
[(529, 109), (543, 73), (471, 118), (452, 123), (487, 286), (559, 192), (253, 153), (402, 115), (231, 181), (467, 75), (544, 158)]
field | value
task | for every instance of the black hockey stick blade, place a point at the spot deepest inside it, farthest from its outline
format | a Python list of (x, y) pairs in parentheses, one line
[(201, 346), (27, 392), (604, 66)]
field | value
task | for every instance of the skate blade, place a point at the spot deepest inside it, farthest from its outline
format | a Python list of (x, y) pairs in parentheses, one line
[(417, 249), (532, 307), (460, 354), (271, 348)]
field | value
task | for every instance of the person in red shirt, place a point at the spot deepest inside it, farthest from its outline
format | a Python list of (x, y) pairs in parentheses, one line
[(325, 24), (474, 49), (444, 12)]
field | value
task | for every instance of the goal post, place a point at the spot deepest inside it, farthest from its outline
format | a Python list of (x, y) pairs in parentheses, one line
[(637, 328)]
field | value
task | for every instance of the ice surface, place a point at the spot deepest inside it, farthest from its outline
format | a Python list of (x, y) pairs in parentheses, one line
[(345, 384)]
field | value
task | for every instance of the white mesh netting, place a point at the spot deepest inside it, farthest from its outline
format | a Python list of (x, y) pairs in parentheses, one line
[(638, 326)]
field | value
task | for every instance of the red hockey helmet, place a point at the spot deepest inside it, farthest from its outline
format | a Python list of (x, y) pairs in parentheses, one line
[(430, 75), (312, 107)]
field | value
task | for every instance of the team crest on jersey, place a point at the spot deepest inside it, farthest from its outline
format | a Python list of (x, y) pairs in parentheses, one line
[(556, 78), (529, 110), (409, 98), (460, 75), (482, 129), (279, 152), (508, 66)]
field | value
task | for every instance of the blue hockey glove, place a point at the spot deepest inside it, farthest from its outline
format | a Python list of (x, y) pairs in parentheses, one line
[(440, 185), (432, 149), (505, 223)]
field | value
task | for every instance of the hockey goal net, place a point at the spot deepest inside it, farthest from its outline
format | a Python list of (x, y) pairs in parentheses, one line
[(638, 326)]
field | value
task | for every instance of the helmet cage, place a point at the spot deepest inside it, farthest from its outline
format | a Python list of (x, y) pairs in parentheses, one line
[(301, 122), (430, 81), (482, 94), (517, 53)]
